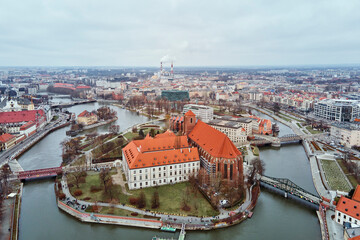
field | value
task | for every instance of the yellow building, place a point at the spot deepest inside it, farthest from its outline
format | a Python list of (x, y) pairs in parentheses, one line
[(87, 118)]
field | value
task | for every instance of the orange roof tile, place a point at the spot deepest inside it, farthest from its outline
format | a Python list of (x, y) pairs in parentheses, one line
[(356, 195), (213, 141), (355, 238), (6, 137), (349, 207), (168, 133), (189, 113), (153, 152)]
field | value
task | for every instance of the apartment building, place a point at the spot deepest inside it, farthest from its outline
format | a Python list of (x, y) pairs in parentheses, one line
[(337, 110), (202, 112)]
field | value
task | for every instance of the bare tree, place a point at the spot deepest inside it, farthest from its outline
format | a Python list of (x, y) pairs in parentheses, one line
[(257, 167)]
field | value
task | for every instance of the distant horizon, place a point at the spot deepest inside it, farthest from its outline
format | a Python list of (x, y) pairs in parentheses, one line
[(186, 66)]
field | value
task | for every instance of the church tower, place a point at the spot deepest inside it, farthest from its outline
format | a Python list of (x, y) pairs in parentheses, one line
[(189, 122)]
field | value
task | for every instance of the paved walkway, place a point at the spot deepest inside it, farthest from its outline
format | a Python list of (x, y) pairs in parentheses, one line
[(118, 179), (164, 217), (5, 221)]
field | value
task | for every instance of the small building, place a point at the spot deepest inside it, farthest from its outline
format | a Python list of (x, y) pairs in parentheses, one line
[(87, 118), (164, 159), (348, 210), (28, 128), (7, 141), (245, 123), (347, 134)]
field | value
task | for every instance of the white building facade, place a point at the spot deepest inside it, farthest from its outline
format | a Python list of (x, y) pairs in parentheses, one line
[(337, 110), (204, 113)]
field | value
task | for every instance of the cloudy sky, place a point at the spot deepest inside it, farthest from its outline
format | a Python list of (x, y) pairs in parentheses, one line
[(191, 32)]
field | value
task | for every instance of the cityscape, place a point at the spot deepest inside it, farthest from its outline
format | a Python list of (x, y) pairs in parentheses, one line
[(231, 122)]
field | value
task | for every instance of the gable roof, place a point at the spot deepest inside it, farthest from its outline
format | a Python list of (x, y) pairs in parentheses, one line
[(6, 137), (349, 207), (20, 116), (152, 152), (356, 195), (213, 141), (189, 113)]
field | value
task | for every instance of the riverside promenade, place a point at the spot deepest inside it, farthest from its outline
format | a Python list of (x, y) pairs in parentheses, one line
[(192, 222)]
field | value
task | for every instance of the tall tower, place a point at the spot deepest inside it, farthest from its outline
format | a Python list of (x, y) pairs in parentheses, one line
[(189, 122), (160, 67), (172, 68)]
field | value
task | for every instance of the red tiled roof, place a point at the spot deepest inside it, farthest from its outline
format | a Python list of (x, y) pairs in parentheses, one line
[(355, 238), (151, 152), (166, 134), (349, 207), (85, 113), (20, 116), (6, 137), (27, 125), (213, 141), (189, 113), (356, 196)]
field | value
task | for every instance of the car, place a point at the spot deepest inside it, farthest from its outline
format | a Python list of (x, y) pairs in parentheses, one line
[(224, 202), (83, 207)]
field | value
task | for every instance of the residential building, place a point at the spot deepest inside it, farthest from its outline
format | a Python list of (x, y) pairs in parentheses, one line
[(245, 123), (7, 141), (337, 110), (232, 129), (346, 133), (87, 118), (202, 112), (164, 159), (11, 122), (348, 210)]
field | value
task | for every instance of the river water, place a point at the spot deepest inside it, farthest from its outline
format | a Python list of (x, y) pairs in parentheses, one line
[(274, 217)]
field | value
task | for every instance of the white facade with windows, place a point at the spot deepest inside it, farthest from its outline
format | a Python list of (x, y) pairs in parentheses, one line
[(159, 175), (202, 112), (346, 134), (341, 218), (235, 132), (337, 110)]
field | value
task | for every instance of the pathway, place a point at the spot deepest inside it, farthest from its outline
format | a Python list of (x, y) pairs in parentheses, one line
[(118, 179)]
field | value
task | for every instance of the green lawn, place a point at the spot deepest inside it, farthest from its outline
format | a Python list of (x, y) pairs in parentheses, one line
[(351, 178), (299, 125), (312, 131), (334, 176), (171, 197), (255, 150)]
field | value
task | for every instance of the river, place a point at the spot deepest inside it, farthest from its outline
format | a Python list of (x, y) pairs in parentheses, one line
[(274, 217)]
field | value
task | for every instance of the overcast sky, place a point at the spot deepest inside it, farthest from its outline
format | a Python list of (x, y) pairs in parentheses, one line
[(190, 32)]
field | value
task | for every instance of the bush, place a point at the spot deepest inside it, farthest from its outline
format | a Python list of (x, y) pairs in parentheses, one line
[(78, 193), (87, 198), (94, 188), (133, 201), (62, 196), (95, 208), (134, 214), (70, 185)]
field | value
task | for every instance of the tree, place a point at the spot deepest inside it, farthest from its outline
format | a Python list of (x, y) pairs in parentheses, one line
[(155, 202), (152, 132), (257, 167), (276, 108), (142, 200), (79, 176), (104, 178), (141, 133)]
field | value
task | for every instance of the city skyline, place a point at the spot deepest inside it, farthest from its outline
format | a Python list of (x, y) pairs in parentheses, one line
[(202, 33)]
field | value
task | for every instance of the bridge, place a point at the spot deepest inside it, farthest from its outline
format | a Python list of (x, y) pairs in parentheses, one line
[(289, 189), (276, 141), (39, 173), (70, 104)]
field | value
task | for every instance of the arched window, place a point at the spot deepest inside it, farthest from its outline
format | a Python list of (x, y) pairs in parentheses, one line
[(190, 120)]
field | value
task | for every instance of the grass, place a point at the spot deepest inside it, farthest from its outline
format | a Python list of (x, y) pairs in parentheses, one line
[(171, 197), (255, 150), (351, 178), (284, 118), (299, 125), (312, 131), (334, 176)]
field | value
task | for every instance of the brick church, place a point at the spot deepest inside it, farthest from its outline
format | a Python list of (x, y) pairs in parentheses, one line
[(217, 152)]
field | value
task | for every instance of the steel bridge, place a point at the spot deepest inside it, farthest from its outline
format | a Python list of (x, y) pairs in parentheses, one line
[(289, 189), (276, 141), (39, 173)]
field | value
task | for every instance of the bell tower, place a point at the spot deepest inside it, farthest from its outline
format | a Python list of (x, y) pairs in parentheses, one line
[(189, 122)]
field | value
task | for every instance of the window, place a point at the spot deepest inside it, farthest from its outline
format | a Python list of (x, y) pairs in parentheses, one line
[(179, 172), (146, 183), (164, 174), (140, 178), (339, 214), (159, 174), (170, 173), (179, 178), (140, 171), (159, 181), (134, 184), (154, 182), (140, 184), (170, 167), (134, 178), (153, 175)]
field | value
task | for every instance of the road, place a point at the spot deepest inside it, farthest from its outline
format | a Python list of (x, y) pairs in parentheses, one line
[(5, 156)]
